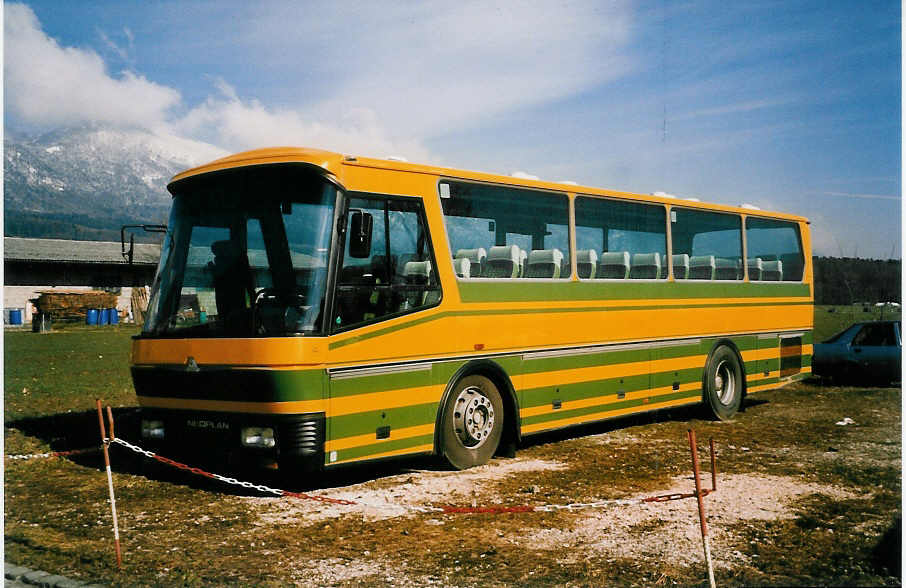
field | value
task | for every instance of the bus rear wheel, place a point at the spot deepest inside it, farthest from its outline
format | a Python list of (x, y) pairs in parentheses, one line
[(472, 422), (723, 383)]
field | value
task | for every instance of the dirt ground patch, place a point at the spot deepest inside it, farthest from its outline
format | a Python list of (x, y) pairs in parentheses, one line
[(800, 501), (669, 531), (387, 498)]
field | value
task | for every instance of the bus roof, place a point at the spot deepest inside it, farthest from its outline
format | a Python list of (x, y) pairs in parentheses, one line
[(333, 163)]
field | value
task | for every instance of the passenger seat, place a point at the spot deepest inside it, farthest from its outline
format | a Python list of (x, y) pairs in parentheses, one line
[(544, 263), (614, 264), (477, 259)]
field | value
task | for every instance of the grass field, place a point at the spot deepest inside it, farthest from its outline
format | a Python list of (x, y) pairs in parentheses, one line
[(800, 500)]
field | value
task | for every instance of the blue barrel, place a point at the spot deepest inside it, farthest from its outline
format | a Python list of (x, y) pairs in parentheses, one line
[(114, 316), (103, 316), (15, 316), (91, 316)]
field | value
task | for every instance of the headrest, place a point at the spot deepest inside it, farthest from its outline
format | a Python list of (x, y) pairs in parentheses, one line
[(461, 267), (615, 258), (726, 262), (646, 260), (586, 256), (504, 253), (772, 270), (538, 256), (417, 268), (474, 255)]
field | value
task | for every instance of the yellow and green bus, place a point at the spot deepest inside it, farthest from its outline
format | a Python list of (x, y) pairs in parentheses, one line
[(313, 309)]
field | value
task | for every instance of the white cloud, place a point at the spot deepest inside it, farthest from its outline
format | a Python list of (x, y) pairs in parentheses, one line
[(437, 67), (400, 76), (237, 125), (48, 85)]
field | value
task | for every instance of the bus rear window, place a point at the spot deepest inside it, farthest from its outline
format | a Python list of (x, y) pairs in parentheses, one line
[(775, 248)]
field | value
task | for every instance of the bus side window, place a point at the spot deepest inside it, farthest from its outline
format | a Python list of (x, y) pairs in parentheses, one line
[(628, 239), (711, 241), (506, 233), (778, 247), (398, 276)]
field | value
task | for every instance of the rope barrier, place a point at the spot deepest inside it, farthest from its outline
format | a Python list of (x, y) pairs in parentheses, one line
[(495, 509), (27, 456)]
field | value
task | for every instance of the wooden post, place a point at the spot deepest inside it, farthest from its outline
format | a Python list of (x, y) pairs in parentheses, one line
[(105, 442), (701, 507)]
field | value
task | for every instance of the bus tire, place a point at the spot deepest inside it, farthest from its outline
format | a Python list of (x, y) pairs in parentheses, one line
[(472, 422), (723, 383)]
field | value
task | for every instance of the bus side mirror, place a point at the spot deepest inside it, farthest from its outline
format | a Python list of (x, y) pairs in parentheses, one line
[(360, 225)]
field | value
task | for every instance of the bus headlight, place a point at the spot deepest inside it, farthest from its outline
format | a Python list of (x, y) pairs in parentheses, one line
[(262, 437), (152, 429)]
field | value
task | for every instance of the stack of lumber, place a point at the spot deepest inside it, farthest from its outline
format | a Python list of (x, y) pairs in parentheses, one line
[(139, 304), (72, 305)]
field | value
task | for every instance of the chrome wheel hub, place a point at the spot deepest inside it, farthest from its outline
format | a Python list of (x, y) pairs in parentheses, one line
[(473, 417), (725, 383)]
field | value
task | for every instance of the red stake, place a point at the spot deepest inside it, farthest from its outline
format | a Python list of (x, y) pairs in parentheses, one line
[(701, 507), (713, 465), (105, 442)]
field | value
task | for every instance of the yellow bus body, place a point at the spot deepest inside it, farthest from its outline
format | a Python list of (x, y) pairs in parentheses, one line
[(574, 351)]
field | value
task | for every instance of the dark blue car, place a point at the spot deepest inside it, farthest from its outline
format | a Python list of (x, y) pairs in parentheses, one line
[(863, 353)]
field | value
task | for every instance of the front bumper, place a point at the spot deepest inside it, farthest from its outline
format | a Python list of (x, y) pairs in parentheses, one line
[(213, 437)]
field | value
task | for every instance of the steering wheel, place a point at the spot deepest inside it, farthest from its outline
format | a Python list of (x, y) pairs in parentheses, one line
[(274, 297)]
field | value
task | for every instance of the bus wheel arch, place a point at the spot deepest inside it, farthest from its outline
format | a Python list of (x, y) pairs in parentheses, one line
[(496, 376), (724, 380)]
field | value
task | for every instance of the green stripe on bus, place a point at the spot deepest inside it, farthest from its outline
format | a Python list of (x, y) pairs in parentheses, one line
[(582, 390), (685, 376), (514, 365), (362, 452), (506, 291), (365, 423), (692, 395)]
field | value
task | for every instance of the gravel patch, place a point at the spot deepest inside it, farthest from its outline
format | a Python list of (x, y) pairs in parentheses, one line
[(338, 572), (669, 531), (465, 488)]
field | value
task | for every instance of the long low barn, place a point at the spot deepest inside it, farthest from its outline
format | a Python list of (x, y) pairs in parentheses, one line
[(31, 266)]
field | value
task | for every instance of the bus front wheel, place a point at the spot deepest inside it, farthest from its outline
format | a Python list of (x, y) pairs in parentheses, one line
[(723, 383), (472, 422)]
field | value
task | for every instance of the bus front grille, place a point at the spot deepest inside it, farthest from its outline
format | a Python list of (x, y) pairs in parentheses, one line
[(303, 436)]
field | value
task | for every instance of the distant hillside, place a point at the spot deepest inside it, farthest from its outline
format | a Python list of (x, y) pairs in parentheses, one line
[(845, 280), (85, 183)]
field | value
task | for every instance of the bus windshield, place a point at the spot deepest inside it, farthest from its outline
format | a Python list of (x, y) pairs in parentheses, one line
[(245, 255)]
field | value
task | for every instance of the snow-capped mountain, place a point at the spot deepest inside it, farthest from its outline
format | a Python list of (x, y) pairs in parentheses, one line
[(93, 173)]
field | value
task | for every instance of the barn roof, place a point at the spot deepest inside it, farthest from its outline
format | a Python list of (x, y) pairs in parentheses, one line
[(65, 251)]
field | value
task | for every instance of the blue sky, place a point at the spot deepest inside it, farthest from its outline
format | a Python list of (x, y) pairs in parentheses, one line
[(792, 106)]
